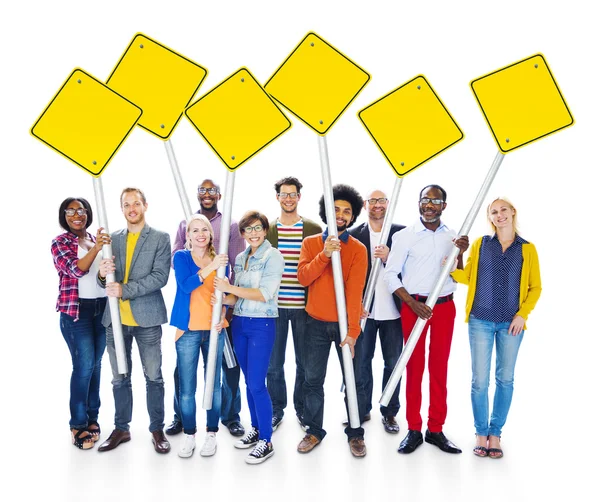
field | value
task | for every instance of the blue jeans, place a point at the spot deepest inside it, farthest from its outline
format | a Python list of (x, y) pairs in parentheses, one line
[(319, 336), (188, 348), (231, 400), (253, 339), (481, 337), (148, 342), (86, 339), (276, 375), (390, 336)]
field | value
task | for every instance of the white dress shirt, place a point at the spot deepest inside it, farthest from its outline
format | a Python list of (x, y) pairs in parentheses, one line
[(418, 254)]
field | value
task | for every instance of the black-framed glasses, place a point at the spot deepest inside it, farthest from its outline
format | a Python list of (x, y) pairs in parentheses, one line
[(256, 228), (211, 191), (381, 200), (81, 211), (285, 195), (426, 200)]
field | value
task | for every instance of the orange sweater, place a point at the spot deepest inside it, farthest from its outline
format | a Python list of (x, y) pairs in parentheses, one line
[(316, 273)]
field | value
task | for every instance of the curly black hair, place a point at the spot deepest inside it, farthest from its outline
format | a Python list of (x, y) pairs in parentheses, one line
[(347, 193)]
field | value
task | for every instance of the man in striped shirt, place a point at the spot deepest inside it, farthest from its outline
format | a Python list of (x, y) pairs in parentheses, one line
[(287, 233)]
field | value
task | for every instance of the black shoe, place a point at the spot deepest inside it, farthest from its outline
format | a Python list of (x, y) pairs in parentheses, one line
[(236, 428), (275, 421), (411, 442), (261, 452), (390, 425), (249, 440), (175, 428), (442, 442)]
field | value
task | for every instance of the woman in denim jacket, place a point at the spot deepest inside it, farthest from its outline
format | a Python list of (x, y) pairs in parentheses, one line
[(258, 272)]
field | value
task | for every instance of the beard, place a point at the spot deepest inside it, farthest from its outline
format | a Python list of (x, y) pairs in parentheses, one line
[(341, 228)]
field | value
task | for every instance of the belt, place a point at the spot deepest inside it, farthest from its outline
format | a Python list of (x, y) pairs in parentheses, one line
[(441, 299)]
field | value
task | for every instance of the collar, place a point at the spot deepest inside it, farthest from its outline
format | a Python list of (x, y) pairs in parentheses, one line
[(262, 249), (518, 239), (217, 214), (419, 227), (75, 238), (344, 237)]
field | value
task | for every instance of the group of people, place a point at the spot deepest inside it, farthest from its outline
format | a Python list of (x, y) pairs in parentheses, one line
[(280, 273)]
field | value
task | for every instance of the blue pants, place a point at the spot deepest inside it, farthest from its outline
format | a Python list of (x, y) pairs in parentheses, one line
[(148, 342), (482, 335), (188, 348), (86, 340), (253, 339), (276, 374)]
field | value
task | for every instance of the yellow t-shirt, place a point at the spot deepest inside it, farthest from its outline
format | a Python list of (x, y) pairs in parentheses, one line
[(126, 313)]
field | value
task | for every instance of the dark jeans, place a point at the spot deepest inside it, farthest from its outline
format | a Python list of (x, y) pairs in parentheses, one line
[(390, 337), (86, 339), (319, 336), (276, 375), (254, 338), (148, 342), (231, 400)]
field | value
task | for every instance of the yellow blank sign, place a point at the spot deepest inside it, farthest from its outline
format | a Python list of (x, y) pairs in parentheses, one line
[(410, 125), (317, 83), (157, 79), (86, 122), (521, 103), (237, 118)]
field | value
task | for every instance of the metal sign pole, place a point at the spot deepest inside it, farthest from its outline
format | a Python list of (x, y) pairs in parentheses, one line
[(211, 363), (113, 302), (338, 279), (435, 293), (185, 203), (385, 232)]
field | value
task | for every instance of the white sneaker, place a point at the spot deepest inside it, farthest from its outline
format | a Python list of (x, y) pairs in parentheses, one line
[(189, 444), (209, 448)]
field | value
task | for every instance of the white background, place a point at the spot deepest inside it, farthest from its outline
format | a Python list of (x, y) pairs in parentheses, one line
[(550, 438)]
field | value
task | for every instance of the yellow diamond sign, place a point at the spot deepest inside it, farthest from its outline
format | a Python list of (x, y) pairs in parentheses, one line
[(317, 83), (410, 125), (237, 118), (159, 80), (87, 122), (521, 103)]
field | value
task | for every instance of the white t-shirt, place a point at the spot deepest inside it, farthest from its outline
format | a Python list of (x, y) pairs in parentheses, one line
[(88, 286), (383, 307)]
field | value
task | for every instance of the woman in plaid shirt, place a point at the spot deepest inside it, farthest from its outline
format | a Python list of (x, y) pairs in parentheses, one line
[(81, 302)]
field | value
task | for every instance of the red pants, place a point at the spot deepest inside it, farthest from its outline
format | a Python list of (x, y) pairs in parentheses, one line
[(440, 326)]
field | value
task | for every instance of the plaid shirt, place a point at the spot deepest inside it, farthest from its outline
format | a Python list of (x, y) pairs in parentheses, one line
[(64, 255)]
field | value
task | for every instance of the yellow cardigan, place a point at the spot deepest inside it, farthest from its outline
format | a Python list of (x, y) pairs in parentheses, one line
[(531, 282)]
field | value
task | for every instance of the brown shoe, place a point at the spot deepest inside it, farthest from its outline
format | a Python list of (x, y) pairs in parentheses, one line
[(115, 439), (161, 445), (308, 443), (357, 447)]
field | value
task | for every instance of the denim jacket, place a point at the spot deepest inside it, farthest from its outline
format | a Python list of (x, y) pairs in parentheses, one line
[(265, 268)]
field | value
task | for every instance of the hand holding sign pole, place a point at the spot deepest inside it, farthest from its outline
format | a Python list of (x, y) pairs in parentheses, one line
[(87, 122), (521, 103), (317, 83), (237, 119)]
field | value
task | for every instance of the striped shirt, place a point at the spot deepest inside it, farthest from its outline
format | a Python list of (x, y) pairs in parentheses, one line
[(289, 242)]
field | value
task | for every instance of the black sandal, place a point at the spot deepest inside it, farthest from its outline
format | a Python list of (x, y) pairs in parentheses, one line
[(95, 432), (82, 442)]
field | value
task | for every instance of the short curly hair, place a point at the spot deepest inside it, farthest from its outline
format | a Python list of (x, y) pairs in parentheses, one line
[(347, 193)]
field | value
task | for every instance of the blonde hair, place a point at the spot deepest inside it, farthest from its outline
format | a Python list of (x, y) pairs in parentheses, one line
[(211, 245), (510, 204)]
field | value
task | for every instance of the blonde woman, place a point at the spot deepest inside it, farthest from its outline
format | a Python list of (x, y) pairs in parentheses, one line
[(503, 275), (195, 271)]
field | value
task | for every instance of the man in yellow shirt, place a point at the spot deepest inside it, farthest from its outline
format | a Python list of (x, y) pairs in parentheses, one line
[(141, 262)]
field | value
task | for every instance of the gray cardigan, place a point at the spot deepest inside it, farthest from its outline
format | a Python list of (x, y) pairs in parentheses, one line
[(148, 273)]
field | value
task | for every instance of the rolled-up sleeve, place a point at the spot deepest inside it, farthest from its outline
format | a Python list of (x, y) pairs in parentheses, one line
[(271, 276), (65, 259), (395, 262)]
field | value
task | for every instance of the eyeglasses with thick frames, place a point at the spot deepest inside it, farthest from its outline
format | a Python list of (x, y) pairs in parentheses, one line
[(426, 200), (291, 195), (381, 200), (81, 211), (211, 191), (256, 228)]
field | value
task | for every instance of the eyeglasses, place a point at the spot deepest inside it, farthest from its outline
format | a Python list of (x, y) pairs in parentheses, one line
[(256, 228), (381, 200), (291, 195), (436, 202), (81, 211), (211, 191)]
